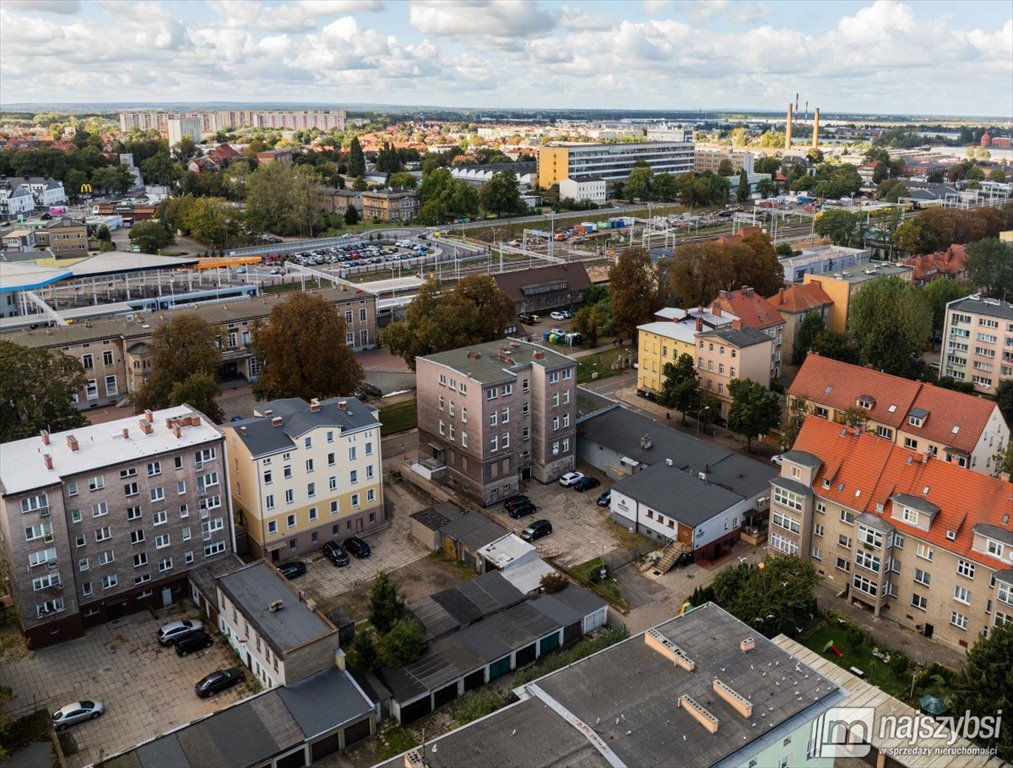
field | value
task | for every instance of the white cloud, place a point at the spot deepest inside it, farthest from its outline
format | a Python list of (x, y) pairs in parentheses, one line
[(495, 18), (62, 7)]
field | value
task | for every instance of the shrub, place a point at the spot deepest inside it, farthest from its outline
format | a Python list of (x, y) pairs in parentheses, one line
[(899, 662), (553, 582), (856, 635)]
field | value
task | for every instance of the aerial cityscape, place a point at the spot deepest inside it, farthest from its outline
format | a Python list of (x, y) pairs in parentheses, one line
[(506, 384)]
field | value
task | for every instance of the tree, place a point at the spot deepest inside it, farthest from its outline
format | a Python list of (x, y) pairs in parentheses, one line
[(282, 198), (936, 177), (756, 264), (590, 322), (990, 266), (103, 234), (997, 174), (985, 684), (742, 191), (665, 187), (213, 220), (185, 149), (766, 188), (160, 169), (386, 607), (1004, 461), (939, 293), (725, 167), (842, 227), (912, 237), (681, 388), (699, 273), (835, 346), (775, 599), (403, 644), (633, 290), (302, 348), (501, 194), (150, 236), (351, 215), (811, 326), (363, 654), (638, 185), (199, 390), (1004, 399), (402, 180), (37, 388), (891, 321), (755, 410), (182, 351), (798, 409), (356, 160), (891, 191), (13, 647)]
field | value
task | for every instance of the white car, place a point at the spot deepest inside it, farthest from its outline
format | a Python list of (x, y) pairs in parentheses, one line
[(570, 478), (77, 712), (171, 632), (557, 315), (777, 459)]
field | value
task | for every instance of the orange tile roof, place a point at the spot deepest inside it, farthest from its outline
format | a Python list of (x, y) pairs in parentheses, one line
[(951, 263), (946, 408), (877, 470), (750, 307), (800, 298)]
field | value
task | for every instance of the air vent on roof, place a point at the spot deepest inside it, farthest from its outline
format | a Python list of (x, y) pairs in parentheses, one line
[(275, 606), (699, 713), (277, 421), (658, 642), (739, 703), (645, 442)]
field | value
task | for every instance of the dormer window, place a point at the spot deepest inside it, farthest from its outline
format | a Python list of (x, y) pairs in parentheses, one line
[(910, 516), (866, 401), (956, 429), (915, 421)]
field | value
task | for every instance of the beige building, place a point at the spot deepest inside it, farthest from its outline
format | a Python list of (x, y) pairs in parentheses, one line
[(978, 341), (843, 284), (793, 304), (494, 415), (755, 312), (711, 159), (115, 352), (673, 333), (731, 352), (303, 474), (951, 426), (390, 205), (66, 238), (109, 519), (920, 541)]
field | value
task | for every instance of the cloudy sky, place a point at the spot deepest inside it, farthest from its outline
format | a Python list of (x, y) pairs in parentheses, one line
[(920, 57)]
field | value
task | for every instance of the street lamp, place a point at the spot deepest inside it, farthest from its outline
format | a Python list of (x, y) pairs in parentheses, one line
[(698, 415)]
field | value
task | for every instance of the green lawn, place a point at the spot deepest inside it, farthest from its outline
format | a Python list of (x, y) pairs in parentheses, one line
[(603, 363), (608, 591), (398, 417)]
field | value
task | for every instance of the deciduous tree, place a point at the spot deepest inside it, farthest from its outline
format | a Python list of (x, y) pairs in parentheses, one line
[(891, 321), (638, 186), (282, 198), (403, 644), (754, 411), (633, 290), (150, 236), (985, 684), (939, 293), (1004, 399), (184, 356), (842, 227), (37, 388), (302, 348), (990, 266), (199, 390), (501, 194), (681, 387), (591, 322), (385, 604), (776, 599), (811, 326)]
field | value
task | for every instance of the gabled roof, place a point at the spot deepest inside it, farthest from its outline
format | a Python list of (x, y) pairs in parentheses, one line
[(518, 285), (800, 298), (750, 307), (954, 419), (868, 474)]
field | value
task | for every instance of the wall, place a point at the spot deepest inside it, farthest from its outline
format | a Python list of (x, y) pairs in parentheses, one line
[(840, 292)]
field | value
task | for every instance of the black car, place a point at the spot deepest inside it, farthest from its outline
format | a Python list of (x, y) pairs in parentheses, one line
[(515, 501), (365, 390), (526, 318), (194, 641), (336, 554), (586, 484), (292, 570), (604, 499), (522, 510), (357, 547), (218, 681), (536, 530)]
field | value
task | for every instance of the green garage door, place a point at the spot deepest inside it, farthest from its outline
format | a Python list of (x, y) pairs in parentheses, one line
[(547, 644), (499, 668)]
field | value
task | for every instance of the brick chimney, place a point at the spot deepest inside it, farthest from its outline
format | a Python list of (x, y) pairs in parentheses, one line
[(145, 426), (780, 295), (277, 421), (176, 430), (72, 443), (737, 324), (342, 405), (148, 417), (126, 433), (48, 459), (45, 437), (168, 423), (699, 324)]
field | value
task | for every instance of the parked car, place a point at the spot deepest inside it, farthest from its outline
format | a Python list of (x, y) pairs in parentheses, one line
[(218, 681), (526, 318), (171, 632), (570, 478), (293, 569), (193, 641), (557, 315), (336, 554), (568, 314), (77, 712), (537, 530), (357, 547), (523, 510), (365, 390), (515, 501), (777, 459), (586, 484), (604, 498)]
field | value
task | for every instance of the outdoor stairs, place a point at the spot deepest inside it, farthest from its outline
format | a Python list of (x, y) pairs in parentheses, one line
[(670, 554)]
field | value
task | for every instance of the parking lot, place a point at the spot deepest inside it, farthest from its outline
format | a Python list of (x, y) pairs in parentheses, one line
[(146, 689)]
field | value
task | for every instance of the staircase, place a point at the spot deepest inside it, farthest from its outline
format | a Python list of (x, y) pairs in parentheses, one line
[(670, 554)]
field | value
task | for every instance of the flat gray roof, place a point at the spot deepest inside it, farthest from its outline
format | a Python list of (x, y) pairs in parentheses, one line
[(325, 701), (497, 361), (979, 306), (254, 588), (678, 494), (474, 529)]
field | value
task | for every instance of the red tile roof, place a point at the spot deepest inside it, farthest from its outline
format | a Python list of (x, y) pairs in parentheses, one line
[(800, 298), (748, 305), (858, 462), (951, 263), (838, 385)]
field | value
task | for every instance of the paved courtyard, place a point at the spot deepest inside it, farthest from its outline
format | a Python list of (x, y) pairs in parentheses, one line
[(146, 689)]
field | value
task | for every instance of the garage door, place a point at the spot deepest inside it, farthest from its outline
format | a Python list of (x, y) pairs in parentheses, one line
[(525, 655), (474, 680), (414, 711), (324, 747), (295, 760), (572, 633), (499, 668), (547, 644), (595, 620), (356, 732)]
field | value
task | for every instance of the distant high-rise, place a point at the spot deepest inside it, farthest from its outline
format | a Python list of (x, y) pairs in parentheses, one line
[(210, 122), (179, 127)]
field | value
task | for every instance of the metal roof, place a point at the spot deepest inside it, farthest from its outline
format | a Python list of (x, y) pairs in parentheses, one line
[(262, 438), (325, 701), (474, 529), (27, 276), (677, 494), (120, 262)]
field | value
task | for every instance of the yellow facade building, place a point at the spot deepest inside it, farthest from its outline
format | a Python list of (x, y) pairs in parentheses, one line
[(673, 333)]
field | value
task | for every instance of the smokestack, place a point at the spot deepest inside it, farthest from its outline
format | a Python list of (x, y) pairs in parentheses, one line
[(816, 128), (787, 129)]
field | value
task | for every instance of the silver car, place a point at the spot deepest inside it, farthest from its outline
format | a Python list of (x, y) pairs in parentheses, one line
[(77, 712), (171, 632)]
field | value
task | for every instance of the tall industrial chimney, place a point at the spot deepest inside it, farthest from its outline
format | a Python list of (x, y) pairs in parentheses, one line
[(787, 129), (816, 128)]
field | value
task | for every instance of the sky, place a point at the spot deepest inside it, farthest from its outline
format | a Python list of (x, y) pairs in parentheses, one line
[(881, 57)]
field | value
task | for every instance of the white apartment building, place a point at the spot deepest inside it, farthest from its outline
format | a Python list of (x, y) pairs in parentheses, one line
[(591, 188), (178, 127), (978, 342), (611, 162)]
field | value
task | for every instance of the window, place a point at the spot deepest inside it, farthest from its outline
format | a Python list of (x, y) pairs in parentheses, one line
[(40, 531), (464, 418), (162, 541), (136, 537), (269, 501), (844, 541), (71, 489), (103, 534), (787, 499), (862, 584), (494, 443), (491, 394), (555, 423), (464, 439), (964, 568), (215, 548), (87, 362), (818, 529), (99, 510), (925, 552), (154, 468), (493, 418), (156, 494), (96, 483), (994, 548), (130, 489), (505, 440), (50, 606), (83, 564), (311, 489), (847, 517), (869, 536), (185, 533), (910, 516), (783, 544), (867, 561), (442, 402), (42, 558), (289, 496), (923, 577), (508, 389), (140, 559), (334, 507), (353, 476), (355, 501), (371, 494), (910, 442), (110, 581), (566, 444), (79, 541), (786, 522), (272, 526), (290, 521), (44, 582), (160, 518), (188, 556), (313, 514), (91, 389), (86, 589), (843, 564), (504, 416), (75, 515), (958, 620), (962, 595), (165, 564)]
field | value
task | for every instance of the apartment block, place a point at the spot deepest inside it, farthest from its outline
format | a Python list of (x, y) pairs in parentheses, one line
[(225, 120), (612, 162), (951, 426), (389, 205), (494, 415), (673, 333), (108, 520), (177, 128), (978, 341), (116, 351), (728, 353), (793, 304), (66, 238), (843, 284), (304, 473), (755, 312), (923, 542)]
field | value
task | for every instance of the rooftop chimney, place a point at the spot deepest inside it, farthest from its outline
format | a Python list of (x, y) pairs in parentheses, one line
[(45, 437), (148, 417), (657, 642), (176, 430), (699, 713), (747, 645), (473, 355), (277, 421), (342, 405), (314, 405), (48, 459), (737, 324), (145, 426), (780, 295), (168, 423), (699, 324), (268, 412), (126, 433), (72, 443), (275, 606), (242, 430), (539, 355)]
